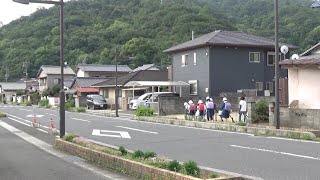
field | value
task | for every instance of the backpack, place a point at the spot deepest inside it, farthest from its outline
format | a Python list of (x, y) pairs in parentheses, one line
[(227, 106), (192, 107), (201, 107)]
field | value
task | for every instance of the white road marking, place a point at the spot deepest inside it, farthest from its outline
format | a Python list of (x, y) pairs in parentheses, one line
[(277, 152), (80, 120), (137, 130), (25, 110), (42, 130), (122, 134), (20, 118), (20, 122), (37, 115), (297, 140), (136, 121)]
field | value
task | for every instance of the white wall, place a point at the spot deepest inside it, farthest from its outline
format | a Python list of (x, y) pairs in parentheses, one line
[(81, 73), (304, 85)]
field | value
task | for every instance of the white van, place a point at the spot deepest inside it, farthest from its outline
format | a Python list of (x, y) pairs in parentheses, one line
[(140, 102)]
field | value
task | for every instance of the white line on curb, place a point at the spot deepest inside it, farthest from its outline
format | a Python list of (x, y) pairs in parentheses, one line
[(137, 130), (80, 120), (277, 152), (297, 140)]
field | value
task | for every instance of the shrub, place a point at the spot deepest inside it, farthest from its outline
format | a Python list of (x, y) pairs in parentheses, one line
[(149, 154), (44, 102), (35, 97), (56, 90), (2, 115), (123, 151), (4, 101), (191, 168), (68, 105), (143, 111), (174, 166), (261, 112), (29, 103), (81, 109), (214, 176), (138, 154), (69, 137)]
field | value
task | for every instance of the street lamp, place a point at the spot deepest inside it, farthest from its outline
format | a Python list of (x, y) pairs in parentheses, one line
[(276, 64), (62, 96)]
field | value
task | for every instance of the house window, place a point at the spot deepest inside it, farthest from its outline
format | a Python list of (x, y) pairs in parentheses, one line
[(254, 57), (195, 58), (269, 86), (259, 86), (105, 93), (119, 93), (185, 60), (56, 81), (193, 87), (271, 59)]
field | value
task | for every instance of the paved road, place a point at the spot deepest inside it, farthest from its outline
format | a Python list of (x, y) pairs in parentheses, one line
[(268, 158), (20, 160)]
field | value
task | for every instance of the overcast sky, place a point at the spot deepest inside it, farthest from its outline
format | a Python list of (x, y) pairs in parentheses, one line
[(10, 10)]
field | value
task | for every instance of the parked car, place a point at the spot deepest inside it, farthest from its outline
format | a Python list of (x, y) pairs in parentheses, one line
[(95, 101), (141, 101)]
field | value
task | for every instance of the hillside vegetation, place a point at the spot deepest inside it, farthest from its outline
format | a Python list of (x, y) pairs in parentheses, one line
[(141, 29)]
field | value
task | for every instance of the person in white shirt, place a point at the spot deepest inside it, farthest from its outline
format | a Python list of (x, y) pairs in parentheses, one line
[(243, 109)]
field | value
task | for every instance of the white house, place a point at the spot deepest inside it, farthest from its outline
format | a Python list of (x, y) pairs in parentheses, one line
[(304, 79)]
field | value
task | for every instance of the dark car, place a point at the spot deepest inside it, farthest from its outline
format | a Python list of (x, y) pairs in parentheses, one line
[(95, 101)]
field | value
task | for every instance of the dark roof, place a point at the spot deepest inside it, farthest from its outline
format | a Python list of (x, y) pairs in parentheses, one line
[(88, 81), (146, 67), (307, 52), (13, 85), (103, 68), (226, 38), (48, 69), (304, 60), (147, 75)]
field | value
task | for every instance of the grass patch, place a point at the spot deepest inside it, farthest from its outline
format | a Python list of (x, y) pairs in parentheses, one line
[(70, 137), (317, 139), (307, 137), (294, 135), (241, 124), (80, 109)]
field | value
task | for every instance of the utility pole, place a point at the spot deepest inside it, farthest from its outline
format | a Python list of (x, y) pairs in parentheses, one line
[(116, 88), (7, 75), (25, 65), (276, 65)]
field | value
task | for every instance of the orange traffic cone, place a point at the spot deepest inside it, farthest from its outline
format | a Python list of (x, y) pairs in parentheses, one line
[(34, 123), (52, 129), (51, 124)]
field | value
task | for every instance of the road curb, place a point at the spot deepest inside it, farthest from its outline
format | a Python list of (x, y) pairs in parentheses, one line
[(135, 168), (258, 131)]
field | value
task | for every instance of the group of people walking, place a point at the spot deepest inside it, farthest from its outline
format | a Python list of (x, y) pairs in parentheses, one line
[(209, 108)]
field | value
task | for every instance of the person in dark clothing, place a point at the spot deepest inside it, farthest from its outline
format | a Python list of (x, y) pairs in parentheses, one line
[(226, 110)]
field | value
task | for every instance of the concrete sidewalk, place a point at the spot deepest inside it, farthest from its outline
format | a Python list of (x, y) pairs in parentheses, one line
[(20, 160)]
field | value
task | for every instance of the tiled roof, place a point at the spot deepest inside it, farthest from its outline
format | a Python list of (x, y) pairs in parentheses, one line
[(88, 81), (48, 69), (147, 75), (146, 67), (103, 68), (226, 38), (304, 60), (13, 86)]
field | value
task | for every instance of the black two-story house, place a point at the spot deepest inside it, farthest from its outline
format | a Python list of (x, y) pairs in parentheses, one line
[(225, 61)]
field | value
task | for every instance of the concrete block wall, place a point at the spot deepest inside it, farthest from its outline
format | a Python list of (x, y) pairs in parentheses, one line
[(174, 105), (300, 118)]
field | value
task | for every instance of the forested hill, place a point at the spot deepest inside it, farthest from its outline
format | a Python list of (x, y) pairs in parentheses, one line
[(143, 29)]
